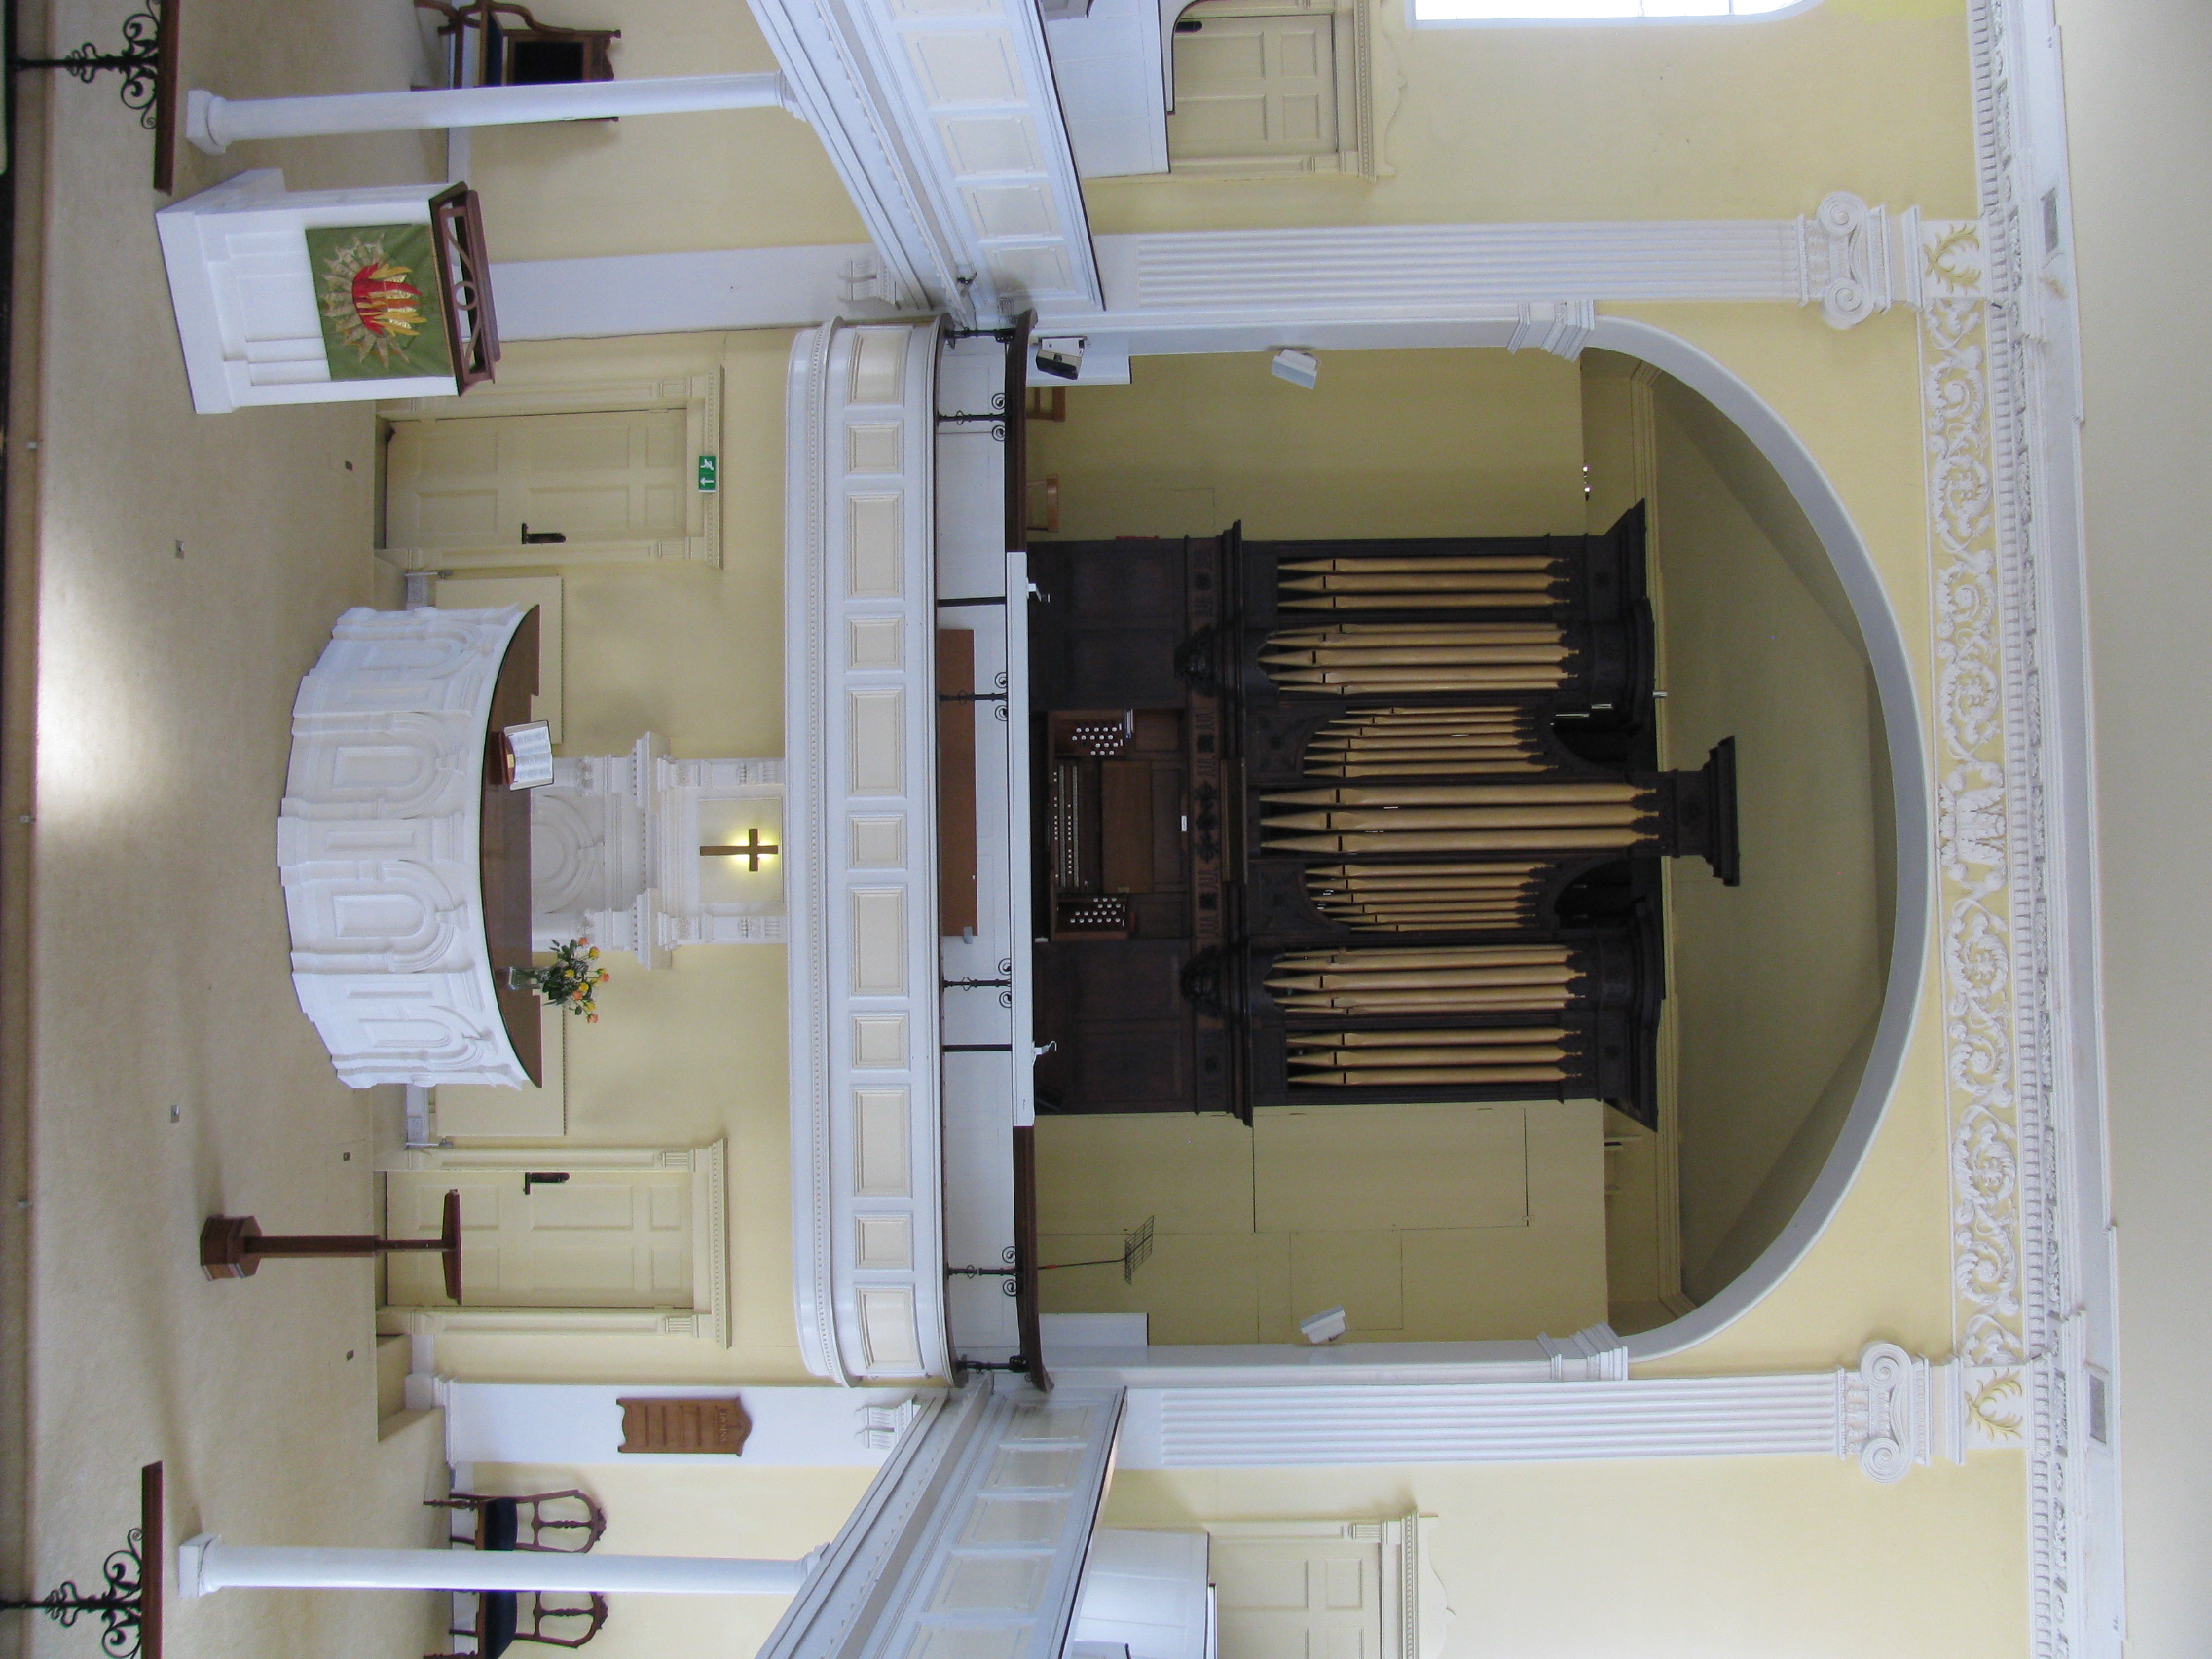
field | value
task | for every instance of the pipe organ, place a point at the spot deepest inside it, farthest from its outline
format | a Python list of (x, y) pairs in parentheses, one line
[(1353, 820)]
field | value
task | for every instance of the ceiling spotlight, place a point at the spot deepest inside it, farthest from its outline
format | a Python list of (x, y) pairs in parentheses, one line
[(1296, 366)]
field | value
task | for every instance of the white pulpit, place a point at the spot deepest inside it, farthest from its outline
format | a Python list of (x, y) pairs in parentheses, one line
[(616, 852), (381, 846)]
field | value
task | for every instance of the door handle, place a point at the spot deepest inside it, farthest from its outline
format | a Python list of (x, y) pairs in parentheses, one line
[(540, 538), (542, 1178)]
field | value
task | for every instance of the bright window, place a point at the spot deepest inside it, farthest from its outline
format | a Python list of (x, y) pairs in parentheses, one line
[(1592, 10)]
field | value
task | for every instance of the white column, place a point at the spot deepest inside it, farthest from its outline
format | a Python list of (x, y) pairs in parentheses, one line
[(1889, 1413), (215, 122), (206, 1563)]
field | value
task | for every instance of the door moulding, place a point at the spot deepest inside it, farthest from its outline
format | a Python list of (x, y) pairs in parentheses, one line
[(578, 392), (708, 1316)]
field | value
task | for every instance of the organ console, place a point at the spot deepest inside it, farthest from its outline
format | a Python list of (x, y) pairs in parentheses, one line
[(1353, 820)]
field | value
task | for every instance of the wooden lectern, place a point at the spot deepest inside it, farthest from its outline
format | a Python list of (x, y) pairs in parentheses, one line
[(233, 1246)]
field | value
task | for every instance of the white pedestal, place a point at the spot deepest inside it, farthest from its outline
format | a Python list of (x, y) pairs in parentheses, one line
[(243, 292)]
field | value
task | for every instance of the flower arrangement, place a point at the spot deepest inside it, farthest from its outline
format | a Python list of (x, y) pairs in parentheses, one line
[(570, 982)]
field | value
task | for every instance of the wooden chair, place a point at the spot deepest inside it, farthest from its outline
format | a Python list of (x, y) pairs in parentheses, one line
[(499, 1521), (498, 1623), (520, 53)]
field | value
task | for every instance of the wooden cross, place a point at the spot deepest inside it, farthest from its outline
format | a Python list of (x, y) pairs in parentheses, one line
[(753, 852)]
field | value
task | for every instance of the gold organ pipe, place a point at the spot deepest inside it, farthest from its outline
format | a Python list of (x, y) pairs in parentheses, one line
[(1423, 562), (1590, 838), (1432, 1077), (1458, 795)]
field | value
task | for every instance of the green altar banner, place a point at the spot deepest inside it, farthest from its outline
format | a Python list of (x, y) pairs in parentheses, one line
[(382, 314)]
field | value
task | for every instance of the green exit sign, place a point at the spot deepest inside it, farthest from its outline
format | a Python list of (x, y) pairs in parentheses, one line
[(707, 473)]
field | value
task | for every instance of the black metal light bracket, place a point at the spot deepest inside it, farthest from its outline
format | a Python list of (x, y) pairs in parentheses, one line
[(128, 1604), (147, 61), (139, 64)]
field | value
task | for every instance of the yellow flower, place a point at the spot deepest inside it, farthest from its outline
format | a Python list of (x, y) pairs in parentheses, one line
[(595, 950)]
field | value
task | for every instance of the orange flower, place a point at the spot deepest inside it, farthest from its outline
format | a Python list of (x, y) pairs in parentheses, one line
[(591, 1020)]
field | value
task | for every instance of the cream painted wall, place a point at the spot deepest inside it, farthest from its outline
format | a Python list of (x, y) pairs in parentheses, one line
[(1757, 120), (1729, 1558), (1424, 1222), (1882, 1265), (694, 1052), (1392, 443), (661, 183), (694, 1510), (1746, 121), (1777, 982)]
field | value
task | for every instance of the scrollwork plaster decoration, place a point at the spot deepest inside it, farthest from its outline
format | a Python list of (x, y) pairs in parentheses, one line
[(1975, 813), (1987, 424), (1883, 1418)]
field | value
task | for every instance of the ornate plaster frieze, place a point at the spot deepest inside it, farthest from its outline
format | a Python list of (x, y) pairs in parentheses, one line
[(1975, 807), (2001, 390)]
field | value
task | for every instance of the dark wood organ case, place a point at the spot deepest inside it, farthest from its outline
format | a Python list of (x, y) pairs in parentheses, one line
[(1353, 821)]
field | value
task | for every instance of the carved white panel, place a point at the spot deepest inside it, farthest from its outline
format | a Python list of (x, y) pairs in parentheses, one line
[(876, 729), (873, 641), (942, 117), (879, 1041), (880, 941), (874, 522), (859, 833), (376, 847), (877, 842), (881, 1167), (883, 1241), (891, 1345), (614, 852)]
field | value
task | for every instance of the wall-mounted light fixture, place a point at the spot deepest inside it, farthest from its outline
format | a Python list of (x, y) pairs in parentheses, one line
[(1297, 366)]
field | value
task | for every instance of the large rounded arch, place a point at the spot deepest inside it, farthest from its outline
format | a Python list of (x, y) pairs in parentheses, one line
[(1891, 662), (1909, 832)]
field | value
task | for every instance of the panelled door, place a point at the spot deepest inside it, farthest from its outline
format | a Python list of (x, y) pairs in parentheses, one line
[(608, 484), (1285, 1597), (1254, 87), (548, 1238)]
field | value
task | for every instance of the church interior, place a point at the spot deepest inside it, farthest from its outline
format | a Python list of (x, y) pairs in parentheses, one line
[(1416, 967)]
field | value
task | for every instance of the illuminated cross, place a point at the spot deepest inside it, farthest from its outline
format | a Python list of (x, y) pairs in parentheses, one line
[(753, 852)]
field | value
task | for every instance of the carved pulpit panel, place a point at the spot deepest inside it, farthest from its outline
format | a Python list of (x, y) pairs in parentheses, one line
[(644, 854)]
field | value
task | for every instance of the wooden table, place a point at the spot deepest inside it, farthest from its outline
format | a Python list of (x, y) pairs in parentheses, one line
[(502, 839)]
